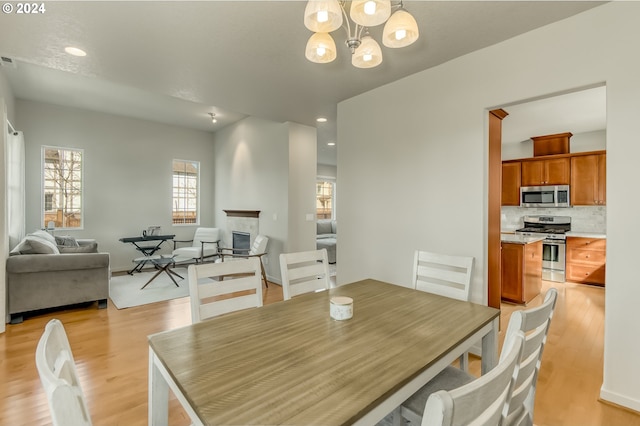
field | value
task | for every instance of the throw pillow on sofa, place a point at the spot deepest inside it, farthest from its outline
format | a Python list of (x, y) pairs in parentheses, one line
[(66, 241), (40, 245), (43, 235), (38, 242)]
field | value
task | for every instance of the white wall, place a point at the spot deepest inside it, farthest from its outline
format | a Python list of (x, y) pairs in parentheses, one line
[(7, 106), (127, 173), (579, 142), (302, 183), (415, 175), (253, 173), (325, 170), (7, 94)]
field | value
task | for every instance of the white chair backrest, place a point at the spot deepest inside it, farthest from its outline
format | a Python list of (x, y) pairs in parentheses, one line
[(303, 272), (59, 377), (484, 401), (210, 298), (259, 245), (206, 234), (535, 324), (442, 274)]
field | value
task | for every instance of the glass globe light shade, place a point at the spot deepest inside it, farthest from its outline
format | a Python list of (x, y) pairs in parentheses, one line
[(370, 13), (368, 54), (323, 16), (321, 48), (400, 30)]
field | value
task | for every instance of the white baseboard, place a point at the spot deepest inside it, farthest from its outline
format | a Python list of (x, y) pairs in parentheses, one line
[(621, 400), (274, 280)]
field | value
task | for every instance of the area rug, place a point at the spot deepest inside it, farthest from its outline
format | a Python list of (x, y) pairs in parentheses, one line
[(124, 290)]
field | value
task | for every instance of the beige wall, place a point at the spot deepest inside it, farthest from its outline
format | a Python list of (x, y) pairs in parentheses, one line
[(415, 175)]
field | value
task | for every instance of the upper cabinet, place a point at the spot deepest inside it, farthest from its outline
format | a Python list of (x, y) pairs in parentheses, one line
[(511, 183), (554, 171), (588, 179), (551, 144)]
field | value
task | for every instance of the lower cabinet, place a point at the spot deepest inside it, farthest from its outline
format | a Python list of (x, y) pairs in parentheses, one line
[(521, 271), (586, 260)]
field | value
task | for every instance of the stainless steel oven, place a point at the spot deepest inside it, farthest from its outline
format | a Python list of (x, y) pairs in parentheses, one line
[(552, 229), (553, 260)]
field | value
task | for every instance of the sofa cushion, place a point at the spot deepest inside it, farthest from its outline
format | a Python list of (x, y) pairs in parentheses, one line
[(34, 263), (87, 248), (325, 236), (323, 227)]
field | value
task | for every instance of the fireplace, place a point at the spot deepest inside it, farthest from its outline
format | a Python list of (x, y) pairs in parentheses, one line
[(244, 222), (241, 242)]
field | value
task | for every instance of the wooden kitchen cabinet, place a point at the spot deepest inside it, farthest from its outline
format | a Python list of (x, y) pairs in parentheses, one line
[(511, 176), (589, 179), (586, 260), (521, 271), (554, 171)]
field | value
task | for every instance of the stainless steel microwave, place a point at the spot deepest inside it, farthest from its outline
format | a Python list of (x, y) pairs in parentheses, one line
[(545, 196)]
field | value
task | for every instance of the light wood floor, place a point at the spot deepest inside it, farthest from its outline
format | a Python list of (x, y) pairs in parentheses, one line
[(110, 348)]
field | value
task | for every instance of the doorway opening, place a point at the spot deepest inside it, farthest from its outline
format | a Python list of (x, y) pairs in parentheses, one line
[(582, 112)]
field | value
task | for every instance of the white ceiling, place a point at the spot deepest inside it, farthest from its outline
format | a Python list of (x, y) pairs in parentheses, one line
[(577, 112), (176, 61)]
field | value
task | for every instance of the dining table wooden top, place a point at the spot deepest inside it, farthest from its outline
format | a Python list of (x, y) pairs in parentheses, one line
[(290, 363)]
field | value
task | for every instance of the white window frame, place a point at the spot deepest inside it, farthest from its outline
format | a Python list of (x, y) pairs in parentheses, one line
[(43, 220), (173, 195)]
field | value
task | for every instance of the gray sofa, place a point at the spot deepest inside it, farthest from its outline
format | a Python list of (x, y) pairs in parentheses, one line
[(326, 237), (39, 281)]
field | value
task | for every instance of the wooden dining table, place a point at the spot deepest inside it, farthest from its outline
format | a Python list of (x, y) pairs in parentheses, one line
[(290, 363)]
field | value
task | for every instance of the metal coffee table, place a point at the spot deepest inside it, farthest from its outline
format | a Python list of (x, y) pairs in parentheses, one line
[(163, 264)]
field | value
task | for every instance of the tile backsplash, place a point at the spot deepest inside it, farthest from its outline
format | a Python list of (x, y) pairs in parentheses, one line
[(583, 218)]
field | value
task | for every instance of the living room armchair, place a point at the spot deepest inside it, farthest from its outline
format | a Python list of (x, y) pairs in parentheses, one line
[(204, 245), (258, 249)]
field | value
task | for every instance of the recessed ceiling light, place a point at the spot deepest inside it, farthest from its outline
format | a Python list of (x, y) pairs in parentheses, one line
[(331, 144), (75, 51), (321, 120)]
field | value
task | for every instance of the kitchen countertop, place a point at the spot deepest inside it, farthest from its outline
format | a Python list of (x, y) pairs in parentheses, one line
[(585, 234), (519, 239)]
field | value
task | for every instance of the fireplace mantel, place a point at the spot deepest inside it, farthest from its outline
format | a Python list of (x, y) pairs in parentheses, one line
[(242, 213)]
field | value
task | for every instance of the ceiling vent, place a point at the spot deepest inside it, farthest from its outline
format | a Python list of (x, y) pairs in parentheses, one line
[(7, 62)]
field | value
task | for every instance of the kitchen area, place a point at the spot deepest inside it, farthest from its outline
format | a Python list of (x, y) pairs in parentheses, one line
[(553, 214)]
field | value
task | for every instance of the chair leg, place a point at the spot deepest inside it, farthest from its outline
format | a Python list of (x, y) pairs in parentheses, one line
[(464, 362), (264, 275)]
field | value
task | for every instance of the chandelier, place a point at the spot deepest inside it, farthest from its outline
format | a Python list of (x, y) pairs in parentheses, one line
[(325, 16)]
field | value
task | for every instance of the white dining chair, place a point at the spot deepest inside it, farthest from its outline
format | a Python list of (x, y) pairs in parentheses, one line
[(482, 402), (57, 370), (304, 272), (534, 324), (220, 288), (444, 275)]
